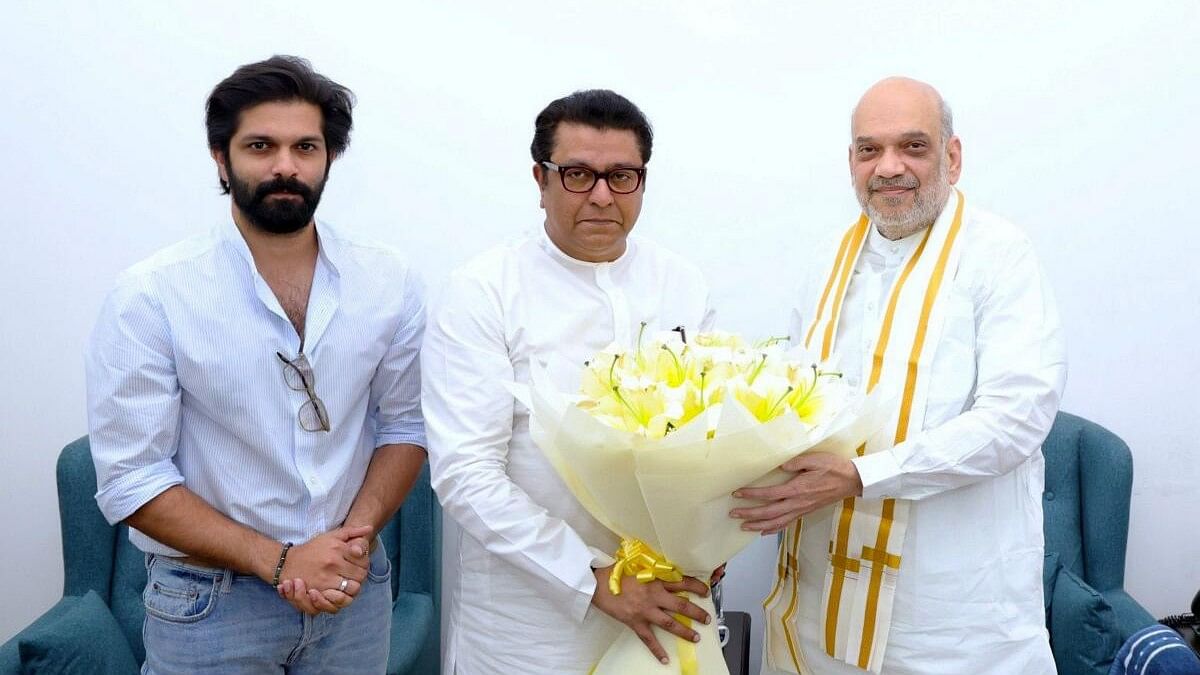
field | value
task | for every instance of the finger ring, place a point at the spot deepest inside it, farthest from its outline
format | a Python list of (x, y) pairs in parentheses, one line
[(342, 586)]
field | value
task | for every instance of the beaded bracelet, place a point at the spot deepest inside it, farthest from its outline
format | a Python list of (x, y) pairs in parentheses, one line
[(279, 565)]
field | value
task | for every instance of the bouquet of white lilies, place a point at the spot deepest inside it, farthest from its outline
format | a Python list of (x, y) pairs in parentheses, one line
[(662, 432), (664, 383)]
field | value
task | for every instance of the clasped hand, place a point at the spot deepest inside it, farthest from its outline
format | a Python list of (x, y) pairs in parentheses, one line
[(313, 572), (819, 479), (642, 606)]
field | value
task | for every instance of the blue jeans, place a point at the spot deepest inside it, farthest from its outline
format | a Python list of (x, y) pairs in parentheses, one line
[(204, 620), (1155, 650)]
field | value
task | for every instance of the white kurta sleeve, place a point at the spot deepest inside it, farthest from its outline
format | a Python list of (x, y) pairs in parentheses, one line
[(469, 417), (1021, 369)]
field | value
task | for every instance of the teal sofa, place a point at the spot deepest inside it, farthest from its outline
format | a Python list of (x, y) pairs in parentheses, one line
[(97, 626), (1089, 475)]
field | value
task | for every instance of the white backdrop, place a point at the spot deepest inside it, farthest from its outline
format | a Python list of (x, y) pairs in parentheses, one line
[(1076, 119)]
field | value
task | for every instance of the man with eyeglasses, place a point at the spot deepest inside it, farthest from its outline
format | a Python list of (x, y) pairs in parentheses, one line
[(253, 403), (532, 594)]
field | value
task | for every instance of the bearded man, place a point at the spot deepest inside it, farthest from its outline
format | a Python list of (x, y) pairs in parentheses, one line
[(253, 403), (922, 555)]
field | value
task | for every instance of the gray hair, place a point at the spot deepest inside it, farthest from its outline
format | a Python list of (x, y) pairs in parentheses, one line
[(947, 120)]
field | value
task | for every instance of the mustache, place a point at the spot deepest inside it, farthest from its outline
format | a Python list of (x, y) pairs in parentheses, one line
[(880, 183), (285, 185)]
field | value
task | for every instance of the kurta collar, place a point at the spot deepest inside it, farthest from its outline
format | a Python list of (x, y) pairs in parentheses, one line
[(899, 249), (888, 249), (565, 260)]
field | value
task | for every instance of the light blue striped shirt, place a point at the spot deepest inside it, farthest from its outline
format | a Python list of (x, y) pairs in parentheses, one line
[(184, 386)]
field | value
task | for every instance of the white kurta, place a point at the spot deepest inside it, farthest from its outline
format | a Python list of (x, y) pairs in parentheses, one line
[(969, 591), (522, 602)]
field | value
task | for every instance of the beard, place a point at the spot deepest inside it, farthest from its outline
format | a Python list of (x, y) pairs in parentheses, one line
[(928, 203), (274, 215)]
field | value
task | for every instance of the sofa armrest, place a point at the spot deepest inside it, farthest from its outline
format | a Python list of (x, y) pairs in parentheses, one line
[(1131, 616), (88, 541), (79, 634), (413, 621), (10, 655)]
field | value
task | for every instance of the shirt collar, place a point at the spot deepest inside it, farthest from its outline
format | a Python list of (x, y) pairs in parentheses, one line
[(329, 247)]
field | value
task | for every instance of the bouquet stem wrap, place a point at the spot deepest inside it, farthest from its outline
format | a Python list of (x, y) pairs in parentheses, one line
[(636, 559)]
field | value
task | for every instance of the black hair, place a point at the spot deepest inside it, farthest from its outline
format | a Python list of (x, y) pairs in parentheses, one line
[(599, 108)]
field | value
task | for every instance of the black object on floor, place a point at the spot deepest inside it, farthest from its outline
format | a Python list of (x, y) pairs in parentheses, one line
[(737, 650)]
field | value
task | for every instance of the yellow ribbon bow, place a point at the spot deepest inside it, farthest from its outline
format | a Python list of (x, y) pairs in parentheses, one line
[(636, 559)]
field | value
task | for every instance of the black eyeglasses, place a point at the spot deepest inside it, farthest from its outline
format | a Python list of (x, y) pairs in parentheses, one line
[(298, 374), (622, 181)]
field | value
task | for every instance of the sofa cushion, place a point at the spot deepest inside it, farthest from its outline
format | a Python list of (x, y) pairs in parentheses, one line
[(85, 640)]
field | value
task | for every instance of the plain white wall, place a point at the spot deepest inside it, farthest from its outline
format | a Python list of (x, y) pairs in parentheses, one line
[(1076, 120)]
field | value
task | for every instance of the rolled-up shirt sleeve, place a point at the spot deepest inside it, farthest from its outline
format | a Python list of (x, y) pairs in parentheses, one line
[(469, 418), (396, 387), (133, 400), (1021, 370)]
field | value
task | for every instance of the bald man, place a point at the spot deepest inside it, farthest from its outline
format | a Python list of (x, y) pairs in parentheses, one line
[(922, 555)]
